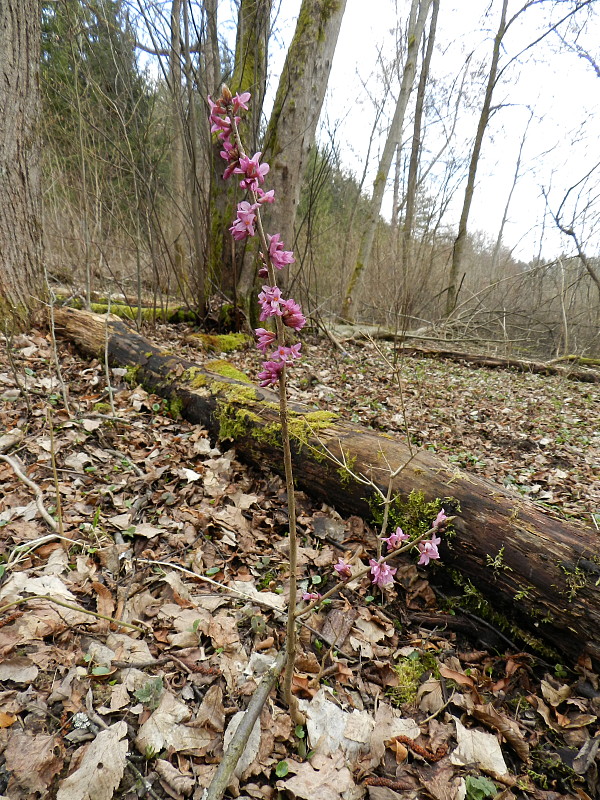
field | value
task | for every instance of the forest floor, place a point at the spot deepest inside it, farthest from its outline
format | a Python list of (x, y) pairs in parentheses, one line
[(403, 698)]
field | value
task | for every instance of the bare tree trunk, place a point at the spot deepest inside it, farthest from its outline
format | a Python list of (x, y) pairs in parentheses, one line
[(250, 69), (418, 17), (199, 276), (291, 130), (461, 238), (178, 195), (498, 245), (21, 275), (212, 63), (249, 74), (415, 152)]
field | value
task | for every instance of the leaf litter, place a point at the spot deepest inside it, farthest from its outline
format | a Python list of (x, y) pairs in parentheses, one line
[(155, 514)]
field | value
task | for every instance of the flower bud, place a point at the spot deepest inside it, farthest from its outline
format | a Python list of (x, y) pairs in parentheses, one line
[(226, 95)]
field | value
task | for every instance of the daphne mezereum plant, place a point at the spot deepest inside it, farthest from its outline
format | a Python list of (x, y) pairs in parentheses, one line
[(284, 316)]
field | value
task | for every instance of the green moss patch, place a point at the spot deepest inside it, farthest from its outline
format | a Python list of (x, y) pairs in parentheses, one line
[(195, 377), (222, 343), (227, 370), (410, 671)]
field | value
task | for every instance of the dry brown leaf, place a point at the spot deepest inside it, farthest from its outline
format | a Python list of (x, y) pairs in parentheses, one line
[(211, 712), (388, 724), (324, 777), (575, 720), (337, 625), (457, 677), (543, 711), (105, 604), (430, 696), (509, 729), (181, 784), (555, 696), (18, 669), (100, 769), (32, 760), (442, 783), (477, 747), (128, 649), (400, 750), (163, 729), (6, 720)]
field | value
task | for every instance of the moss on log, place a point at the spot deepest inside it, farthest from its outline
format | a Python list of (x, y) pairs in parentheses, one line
[(541, 572)]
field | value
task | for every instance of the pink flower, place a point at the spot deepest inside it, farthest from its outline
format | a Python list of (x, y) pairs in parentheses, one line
[(231, 155), (214, 107), (396, 539), (265, 197), (243, 226), (286, 354), (239, 101), (429, 550), (292, 315), (254, 172), (440, 520), (221, 126), (343, 570), (270, 373), (270, 301), (311, 596), (265, 338), (241, 230), (381, 573), (278, 255), (246, 211)]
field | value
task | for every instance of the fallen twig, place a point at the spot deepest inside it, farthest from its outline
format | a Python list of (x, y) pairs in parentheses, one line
[(72, 608), (222, 777), (36, 489)]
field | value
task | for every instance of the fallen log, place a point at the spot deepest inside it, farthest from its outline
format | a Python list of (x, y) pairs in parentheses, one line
[(543, 573), (500, 362)]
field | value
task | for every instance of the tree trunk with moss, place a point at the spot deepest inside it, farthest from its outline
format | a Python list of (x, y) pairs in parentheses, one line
[(535, 570), (293, 123), (249, 74), (21, 274)]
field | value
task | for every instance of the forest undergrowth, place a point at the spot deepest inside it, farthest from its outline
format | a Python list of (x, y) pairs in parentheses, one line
[(180, 552)]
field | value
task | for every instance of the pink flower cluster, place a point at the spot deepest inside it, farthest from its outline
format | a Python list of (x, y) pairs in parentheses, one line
[(224, 120), (381, 573)]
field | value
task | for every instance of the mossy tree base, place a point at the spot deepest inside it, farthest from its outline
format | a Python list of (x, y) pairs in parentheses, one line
[(538, 570)]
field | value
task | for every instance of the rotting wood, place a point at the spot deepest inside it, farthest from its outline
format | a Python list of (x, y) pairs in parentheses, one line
[(500, 362), (546, 575)]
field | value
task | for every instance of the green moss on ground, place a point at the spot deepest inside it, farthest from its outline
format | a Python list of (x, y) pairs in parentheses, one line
[(410, 671), (132, 375)]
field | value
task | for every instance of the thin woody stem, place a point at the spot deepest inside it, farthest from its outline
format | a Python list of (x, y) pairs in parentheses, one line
[(291, 630)]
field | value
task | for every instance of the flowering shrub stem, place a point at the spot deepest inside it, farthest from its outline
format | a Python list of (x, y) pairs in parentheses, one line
[(291, 631), (288, 314)]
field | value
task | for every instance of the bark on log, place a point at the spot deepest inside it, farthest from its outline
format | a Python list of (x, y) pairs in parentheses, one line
[(548, 578), (494, 362)]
